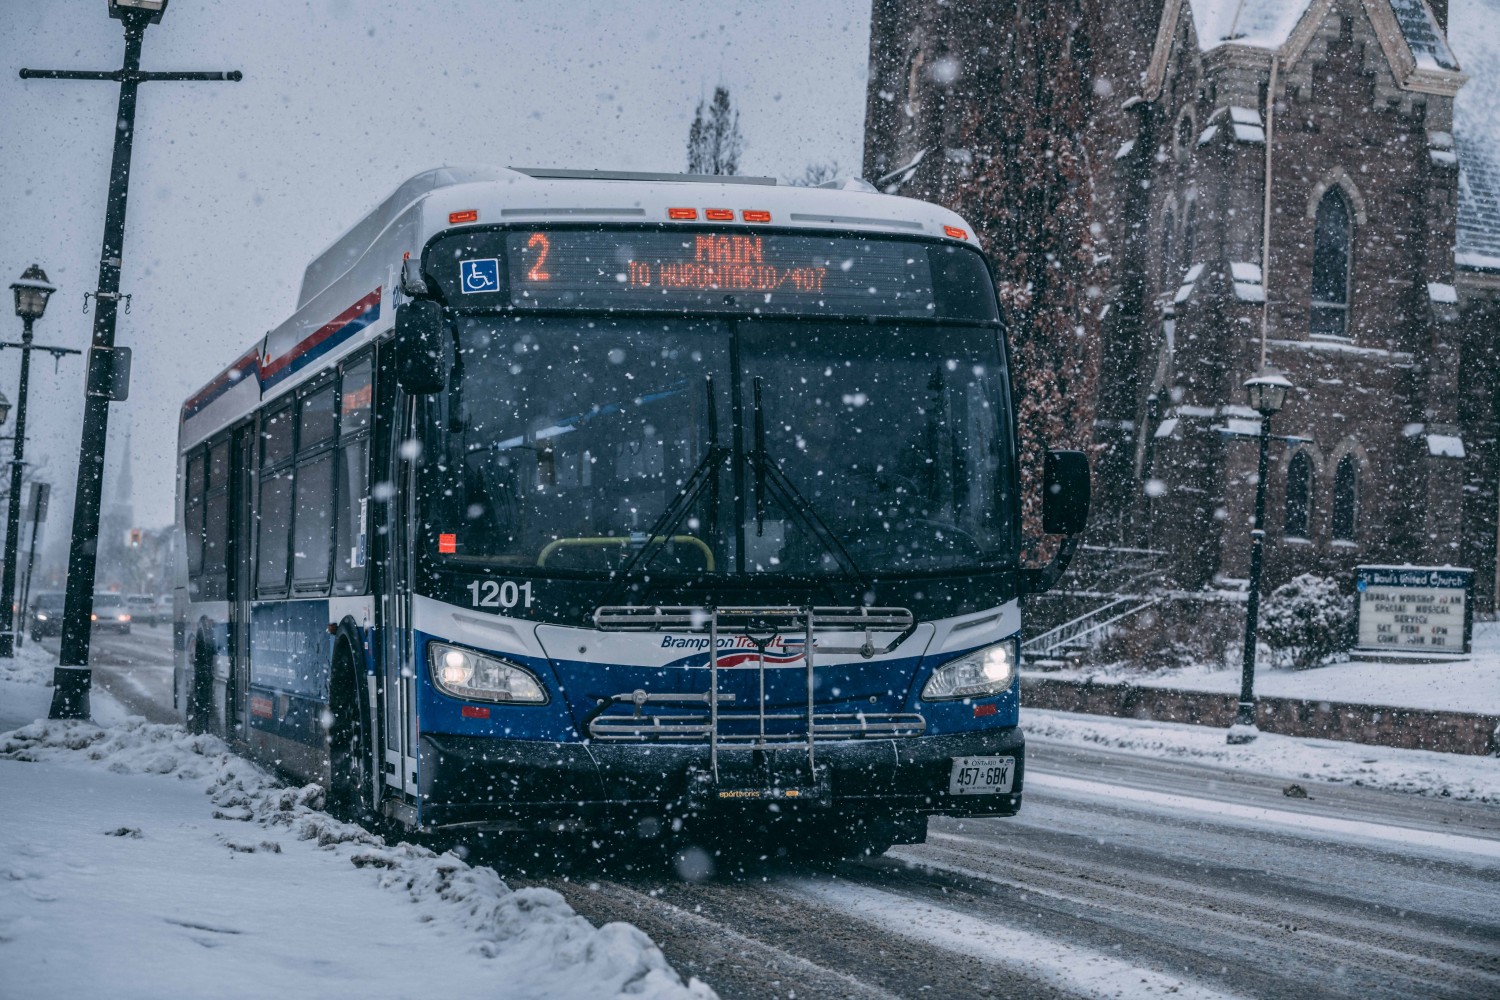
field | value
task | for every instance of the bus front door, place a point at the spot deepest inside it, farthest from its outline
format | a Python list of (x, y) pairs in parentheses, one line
[(394, 606), (241, 527)]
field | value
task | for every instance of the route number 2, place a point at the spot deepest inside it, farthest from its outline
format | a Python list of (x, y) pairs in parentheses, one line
[(497, 594)]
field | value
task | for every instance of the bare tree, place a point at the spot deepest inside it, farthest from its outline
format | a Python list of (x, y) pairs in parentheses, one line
[(714, 140), (1028, 193), (818, 173)]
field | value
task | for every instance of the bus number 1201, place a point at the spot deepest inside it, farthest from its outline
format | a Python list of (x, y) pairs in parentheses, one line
[(497, 594)]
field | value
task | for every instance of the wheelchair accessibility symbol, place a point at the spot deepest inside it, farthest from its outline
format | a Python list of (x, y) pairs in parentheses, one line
[(479, 275)]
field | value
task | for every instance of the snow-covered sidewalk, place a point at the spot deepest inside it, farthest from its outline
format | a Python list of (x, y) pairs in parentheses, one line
[(1423, 772), (137, 860)]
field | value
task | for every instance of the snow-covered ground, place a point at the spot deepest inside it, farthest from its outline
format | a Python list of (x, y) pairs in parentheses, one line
[(1471, 685), (137, 860), (1447, 775)]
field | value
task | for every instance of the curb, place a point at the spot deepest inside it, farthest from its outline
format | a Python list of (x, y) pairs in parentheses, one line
[(1378, 725)]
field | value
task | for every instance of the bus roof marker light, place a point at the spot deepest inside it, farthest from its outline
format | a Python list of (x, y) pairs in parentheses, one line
[(447, 544), (955, 232), (467, 215), (683, 214), (755, 215), (719, 214)]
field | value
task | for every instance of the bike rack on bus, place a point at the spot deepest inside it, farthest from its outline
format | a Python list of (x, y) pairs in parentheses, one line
[(760, 625)]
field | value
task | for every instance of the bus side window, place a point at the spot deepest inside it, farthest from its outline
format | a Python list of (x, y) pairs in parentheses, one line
[(352, 547), (275, 510), (215, 584), (192, 493), (276, 437), (312, 514), (354, 515), (274, 504)]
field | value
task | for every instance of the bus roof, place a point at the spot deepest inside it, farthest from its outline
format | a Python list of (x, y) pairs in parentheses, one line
[(348, 294)]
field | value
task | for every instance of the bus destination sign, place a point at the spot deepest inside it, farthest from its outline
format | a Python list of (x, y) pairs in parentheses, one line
[(1413, 609), (719, 272)]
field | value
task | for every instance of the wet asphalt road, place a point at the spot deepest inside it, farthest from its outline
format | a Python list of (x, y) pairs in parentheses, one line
[(1122, 876), (136, 668), (1205, 882)]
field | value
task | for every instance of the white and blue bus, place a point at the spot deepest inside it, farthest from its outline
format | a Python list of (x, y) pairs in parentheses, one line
[(622, 502)]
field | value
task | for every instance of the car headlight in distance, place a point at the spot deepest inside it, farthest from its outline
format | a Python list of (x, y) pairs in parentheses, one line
[(983, 672), (466, 674)]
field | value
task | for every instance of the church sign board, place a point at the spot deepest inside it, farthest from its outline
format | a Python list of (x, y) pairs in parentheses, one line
[(1414, 609)]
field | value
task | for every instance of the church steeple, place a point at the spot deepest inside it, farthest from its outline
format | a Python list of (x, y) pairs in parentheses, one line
[(124, 486)]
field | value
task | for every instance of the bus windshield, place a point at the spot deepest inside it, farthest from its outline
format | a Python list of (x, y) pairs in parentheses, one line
[(588, 445)]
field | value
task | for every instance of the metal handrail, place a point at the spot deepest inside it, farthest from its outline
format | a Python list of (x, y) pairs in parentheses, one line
[(1083, 625)]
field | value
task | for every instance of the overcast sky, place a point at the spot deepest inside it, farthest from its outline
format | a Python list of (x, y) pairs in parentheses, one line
[(237, 185)]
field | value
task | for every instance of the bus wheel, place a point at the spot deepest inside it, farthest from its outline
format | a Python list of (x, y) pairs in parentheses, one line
[(348, 747)]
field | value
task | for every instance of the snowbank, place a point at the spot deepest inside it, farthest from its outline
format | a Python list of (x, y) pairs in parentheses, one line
[(1446, 775), (499, 942), (1471, 685)]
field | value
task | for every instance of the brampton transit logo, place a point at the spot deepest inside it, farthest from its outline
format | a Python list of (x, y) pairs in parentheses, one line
[(734, 650)]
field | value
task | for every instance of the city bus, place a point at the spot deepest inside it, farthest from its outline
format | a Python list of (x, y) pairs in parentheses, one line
[(640, 504)]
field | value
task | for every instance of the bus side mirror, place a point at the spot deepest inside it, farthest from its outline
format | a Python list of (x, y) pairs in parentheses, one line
[(1065, 492), (419, 347)]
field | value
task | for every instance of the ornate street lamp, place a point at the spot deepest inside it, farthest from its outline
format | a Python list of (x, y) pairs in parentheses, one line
[(1266, 392), (32, 292), (150, 10)]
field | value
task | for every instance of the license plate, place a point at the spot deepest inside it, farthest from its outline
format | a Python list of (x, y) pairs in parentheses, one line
[(981, 775)]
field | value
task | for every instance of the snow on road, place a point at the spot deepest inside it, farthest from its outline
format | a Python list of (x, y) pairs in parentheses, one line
[(1261, 818), (1077, 969), (1446, 775), (140, 861)]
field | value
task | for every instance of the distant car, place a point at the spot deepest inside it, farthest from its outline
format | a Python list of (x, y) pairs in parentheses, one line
[(44, 616), (147, 610), (111, 614)]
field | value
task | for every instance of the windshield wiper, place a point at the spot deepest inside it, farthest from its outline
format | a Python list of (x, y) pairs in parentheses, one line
[(769, 479), (704, 478)]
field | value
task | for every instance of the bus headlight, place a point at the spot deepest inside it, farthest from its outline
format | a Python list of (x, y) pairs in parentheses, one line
[(465, 674), (983, 672)]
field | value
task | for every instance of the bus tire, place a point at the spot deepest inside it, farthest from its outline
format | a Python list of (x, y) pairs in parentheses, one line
[(348, 745)]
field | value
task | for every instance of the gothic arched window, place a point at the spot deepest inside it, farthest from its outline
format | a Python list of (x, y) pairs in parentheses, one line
[(1346, 499), (1185, 134), (1333, 235), (1190, 233), (1299, 489), (1168, 235)]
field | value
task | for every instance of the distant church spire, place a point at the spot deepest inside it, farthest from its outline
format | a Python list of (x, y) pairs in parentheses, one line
[(124, 486)]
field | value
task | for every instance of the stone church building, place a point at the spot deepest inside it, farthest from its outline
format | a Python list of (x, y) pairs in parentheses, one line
[(1310, 183)]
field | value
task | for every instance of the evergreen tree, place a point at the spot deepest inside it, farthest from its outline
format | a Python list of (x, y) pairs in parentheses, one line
[(714, 140), (1028, 194)]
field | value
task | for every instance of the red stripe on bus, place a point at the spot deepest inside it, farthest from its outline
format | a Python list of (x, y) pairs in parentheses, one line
[(343, 319)]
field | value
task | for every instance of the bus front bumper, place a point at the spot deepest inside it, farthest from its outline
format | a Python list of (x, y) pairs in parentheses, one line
[(522, 784)]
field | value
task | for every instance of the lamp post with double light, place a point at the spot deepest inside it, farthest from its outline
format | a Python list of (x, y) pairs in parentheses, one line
[(71, 683), (1266, 392), (32, 291)]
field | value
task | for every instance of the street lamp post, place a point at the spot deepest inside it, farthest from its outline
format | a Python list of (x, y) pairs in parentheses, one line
[(32, 292), (1267, 392), (71, 682)]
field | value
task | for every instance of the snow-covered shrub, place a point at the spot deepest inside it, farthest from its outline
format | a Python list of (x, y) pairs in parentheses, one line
[(1307, 620)]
